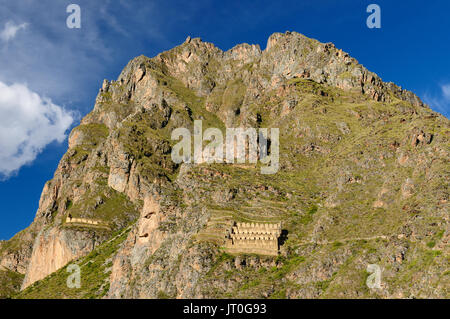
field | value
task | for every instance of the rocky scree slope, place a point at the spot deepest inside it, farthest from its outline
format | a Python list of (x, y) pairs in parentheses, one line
[(363, 180)]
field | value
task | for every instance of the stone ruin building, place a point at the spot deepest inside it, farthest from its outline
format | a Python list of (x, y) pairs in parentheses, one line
[(72, 220), (253, 238)]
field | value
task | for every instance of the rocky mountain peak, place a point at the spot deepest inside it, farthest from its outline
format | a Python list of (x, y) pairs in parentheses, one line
[(362, 179), (204, 67)]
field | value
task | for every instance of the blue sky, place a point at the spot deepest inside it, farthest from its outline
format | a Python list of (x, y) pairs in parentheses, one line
[(50, 75)]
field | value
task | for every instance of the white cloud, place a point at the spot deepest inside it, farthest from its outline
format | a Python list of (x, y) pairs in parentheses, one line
[(440, 102), (28, 123), (69, 65), (10, 30), (446, 91)]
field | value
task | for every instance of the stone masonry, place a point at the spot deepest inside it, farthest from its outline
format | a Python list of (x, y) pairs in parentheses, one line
[(253, 238), (70, 220)]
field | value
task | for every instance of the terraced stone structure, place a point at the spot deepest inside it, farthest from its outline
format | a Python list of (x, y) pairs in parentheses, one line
[(81, 221), (86, 222), (254, 238)]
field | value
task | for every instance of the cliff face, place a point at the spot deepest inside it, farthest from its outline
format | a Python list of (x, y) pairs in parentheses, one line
[(53, 249), (363, 179)]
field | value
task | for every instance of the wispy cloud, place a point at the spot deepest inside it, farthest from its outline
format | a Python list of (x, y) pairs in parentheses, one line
[(446, 91), (441, 101), (28, 123), (69, 64), (10, 30), (52, 59), (65, 64)]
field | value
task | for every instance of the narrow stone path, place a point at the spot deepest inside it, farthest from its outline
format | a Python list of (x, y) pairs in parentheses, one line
[(327, 242)]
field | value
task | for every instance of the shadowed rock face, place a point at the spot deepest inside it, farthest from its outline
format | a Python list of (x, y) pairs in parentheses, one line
[(363, 179)]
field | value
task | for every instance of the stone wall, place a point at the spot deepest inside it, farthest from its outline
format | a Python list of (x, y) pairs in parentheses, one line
[(72, 220), (253, 238)]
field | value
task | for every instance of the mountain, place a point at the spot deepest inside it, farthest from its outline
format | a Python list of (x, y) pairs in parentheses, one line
[(362, 179)]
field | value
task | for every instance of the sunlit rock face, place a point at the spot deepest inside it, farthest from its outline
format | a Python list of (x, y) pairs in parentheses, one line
[(362, 179)]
